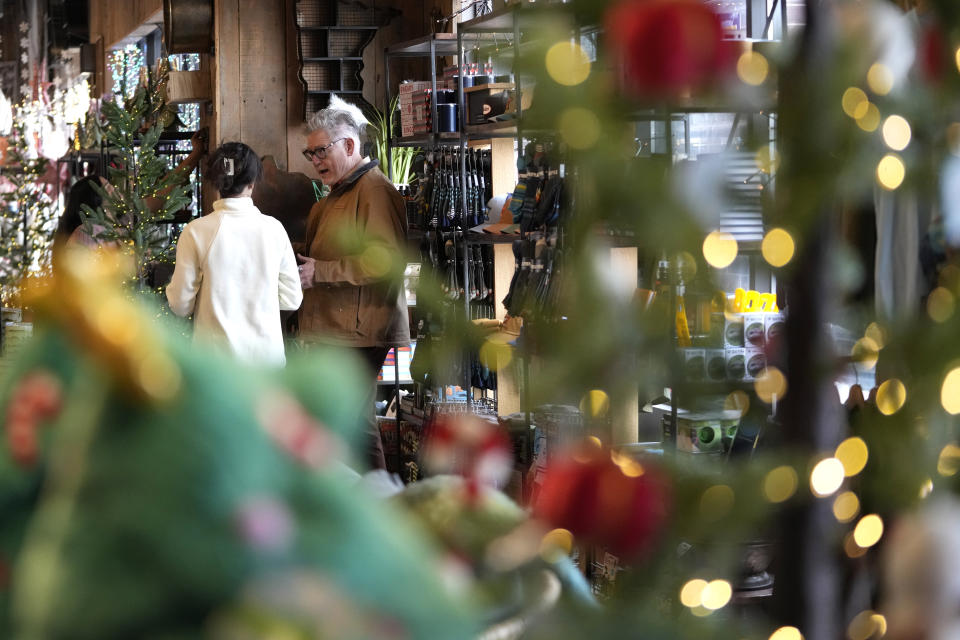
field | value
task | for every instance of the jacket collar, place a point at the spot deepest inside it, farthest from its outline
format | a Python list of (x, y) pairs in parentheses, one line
[(344, 184), (234, 205)]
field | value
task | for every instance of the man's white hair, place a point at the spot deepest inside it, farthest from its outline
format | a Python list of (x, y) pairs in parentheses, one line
[(339, 119)]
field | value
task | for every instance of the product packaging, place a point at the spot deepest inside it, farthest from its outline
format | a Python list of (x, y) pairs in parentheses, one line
[(733, 330), (755, 361), (699, 434), (736, 364), (716, 364), (694, 366), (753, 330)]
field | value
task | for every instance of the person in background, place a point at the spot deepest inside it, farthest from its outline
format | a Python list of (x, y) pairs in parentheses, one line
[(351, 297), (235, 268), (70, 231), (81, 193)]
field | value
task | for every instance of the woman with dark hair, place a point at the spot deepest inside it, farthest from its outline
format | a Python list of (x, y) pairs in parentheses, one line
[(70, 228), (235, 268)]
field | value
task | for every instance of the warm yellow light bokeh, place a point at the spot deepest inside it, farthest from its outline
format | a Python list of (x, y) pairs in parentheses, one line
[(595, 403), (786, 633), (880, 624), (950, 392), (851, 548), (716, 594), (716, 502), (940, 304), (866, 352), (567, 63), (852, 454), (558, 540), (927, 488), (495, 353), (853, 101), (770, 385), (891, 396), (827, 477), (948, 463), (864, 625), (780, 484), (720, 249), (737, 401), (846, 506), (896, 132), (692, 592), (579, 127), (880, 79), (870, 119), (891, 171), (868, 531), (777, 247), (767, 161), (753, 68), (876, 333)]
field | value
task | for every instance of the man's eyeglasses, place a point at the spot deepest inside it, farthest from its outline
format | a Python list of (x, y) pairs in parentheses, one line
[(320, 153)]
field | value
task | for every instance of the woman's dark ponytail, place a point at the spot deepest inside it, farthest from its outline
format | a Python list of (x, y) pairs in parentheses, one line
[(233, 167)]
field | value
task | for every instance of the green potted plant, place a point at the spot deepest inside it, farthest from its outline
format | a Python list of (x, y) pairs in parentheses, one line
[(400, 168)]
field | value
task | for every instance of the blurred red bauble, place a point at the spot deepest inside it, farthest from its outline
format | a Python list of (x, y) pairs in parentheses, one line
[(622, 507), (934, 54), (667, 47)]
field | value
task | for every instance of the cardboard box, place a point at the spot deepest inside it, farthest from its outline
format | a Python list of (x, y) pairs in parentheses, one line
[(411, 87)]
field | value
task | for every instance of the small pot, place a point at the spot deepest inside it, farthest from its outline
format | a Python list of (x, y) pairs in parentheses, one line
[(447, 118), (446, 96)]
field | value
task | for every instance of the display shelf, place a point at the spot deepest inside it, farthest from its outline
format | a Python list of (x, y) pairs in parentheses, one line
[(334, 59), (326, 92), (522, 14), (337, 27), (427, 139), (505, 129), (443, 44), (491, 86)]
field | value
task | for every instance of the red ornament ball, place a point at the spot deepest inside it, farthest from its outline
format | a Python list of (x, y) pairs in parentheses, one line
[(624, 508), (668, 47)]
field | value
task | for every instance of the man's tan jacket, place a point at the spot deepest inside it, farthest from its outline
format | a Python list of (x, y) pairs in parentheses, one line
[(357, 235)]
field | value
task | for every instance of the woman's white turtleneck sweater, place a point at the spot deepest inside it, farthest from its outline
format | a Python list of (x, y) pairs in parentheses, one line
[(249, 275)]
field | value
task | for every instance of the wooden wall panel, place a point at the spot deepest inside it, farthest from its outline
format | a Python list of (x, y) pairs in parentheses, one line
[(263, 98), (111, 21), (296, 130), (114, 20), (226, 72)]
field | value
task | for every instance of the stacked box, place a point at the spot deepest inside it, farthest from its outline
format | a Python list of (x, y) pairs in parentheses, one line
[(414, 118)]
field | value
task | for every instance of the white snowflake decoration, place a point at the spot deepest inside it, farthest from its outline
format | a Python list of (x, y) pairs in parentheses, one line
[(24, 27), (24, 73)]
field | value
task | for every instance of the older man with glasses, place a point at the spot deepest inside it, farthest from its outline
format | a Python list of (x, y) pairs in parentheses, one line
[(353, 291)]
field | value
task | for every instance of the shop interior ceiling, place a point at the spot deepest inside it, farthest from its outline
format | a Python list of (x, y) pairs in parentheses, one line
[(67, 24)]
